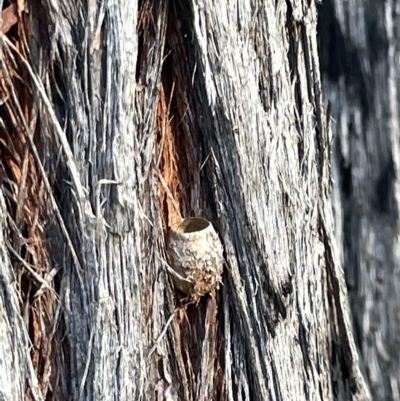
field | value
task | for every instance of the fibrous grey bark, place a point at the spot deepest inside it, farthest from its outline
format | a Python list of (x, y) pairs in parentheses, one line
[(163, 110), (359, 62), (15, 361)]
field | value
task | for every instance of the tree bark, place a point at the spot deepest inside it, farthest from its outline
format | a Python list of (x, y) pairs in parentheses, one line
[(359, 61), (129, 117)]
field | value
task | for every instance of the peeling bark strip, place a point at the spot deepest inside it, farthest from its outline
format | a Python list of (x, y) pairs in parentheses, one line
[(9, 18), (144, 114)]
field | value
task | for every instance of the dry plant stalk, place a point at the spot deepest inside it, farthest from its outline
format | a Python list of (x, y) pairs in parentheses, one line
[(196, 256)]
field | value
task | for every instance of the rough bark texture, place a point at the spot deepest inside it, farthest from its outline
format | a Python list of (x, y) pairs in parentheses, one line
[(360, 64), (131, 116)]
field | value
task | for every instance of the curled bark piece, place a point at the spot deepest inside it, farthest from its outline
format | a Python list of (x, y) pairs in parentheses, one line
[(9, 17), (196, 256)]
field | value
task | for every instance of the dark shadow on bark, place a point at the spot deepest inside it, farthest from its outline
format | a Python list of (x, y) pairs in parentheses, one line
[(339, 57)]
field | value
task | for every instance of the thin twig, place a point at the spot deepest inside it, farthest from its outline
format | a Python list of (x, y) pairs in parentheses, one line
[(165, 186), (86, 370), (31, 270), (162, 334), (205, 161), (163, 125)]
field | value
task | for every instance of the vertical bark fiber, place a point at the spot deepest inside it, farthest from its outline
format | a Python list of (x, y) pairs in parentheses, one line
[(359, 60), (159, 110)]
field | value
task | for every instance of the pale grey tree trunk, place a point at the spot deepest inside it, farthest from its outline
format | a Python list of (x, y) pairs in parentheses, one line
[(128, 117), (360, 69)]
